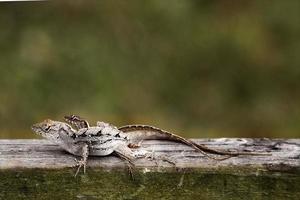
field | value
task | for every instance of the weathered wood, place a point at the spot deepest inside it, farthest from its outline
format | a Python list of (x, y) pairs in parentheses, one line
[(285, 156), (38, 169)]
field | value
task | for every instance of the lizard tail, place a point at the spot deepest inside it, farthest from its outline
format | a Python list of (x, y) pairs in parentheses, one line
[(145, 132)]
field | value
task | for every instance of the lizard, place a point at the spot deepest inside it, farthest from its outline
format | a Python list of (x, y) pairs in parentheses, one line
[(106, 139)]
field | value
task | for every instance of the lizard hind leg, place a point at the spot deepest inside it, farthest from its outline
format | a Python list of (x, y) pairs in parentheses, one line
[(130, 164)]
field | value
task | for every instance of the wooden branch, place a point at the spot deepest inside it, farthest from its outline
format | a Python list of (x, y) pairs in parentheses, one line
[(42, 154)]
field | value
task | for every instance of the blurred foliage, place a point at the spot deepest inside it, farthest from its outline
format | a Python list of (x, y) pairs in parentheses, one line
[(196, 67)]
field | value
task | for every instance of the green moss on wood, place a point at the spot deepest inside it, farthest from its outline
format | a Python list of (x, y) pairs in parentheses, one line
[(117, 184)]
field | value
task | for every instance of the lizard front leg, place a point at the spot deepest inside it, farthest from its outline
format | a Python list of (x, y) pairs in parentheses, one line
[(83, 160)]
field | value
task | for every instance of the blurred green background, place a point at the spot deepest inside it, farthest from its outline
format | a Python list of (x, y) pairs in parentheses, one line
[(197, 68)]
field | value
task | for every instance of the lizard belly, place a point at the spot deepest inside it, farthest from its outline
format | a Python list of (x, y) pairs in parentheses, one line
[(98, 151), (105, 149)]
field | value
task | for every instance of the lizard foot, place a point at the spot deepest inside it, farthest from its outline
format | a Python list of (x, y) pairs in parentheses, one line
[(130, 168), (80, 163), (135, 145)]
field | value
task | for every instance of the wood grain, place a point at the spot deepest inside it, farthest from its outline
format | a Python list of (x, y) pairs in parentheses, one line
[(42, 154)]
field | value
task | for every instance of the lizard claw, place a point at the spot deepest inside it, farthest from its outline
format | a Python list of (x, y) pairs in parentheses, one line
[(80, 163)]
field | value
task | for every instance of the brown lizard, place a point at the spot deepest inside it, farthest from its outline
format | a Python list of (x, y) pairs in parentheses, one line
[(105, 139)]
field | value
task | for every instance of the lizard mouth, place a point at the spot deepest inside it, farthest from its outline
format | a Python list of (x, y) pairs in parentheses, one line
[(33, 127)]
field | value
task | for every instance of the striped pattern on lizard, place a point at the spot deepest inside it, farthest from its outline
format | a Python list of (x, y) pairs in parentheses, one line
[(106, 139)]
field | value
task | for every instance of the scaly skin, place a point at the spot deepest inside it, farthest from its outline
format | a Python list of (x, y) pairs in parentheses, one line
[(97, 141), (146, 132), (105, 139), (77, 121), (137, 133)]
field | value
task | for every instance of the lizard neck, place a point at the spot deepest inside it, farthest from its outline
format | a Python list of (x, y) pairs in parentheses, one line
[(64, 135), (66, 130)]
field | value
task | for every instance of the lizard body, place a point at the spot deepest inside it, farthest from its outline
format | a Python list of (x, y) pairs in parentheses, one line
[(137, 132), (105, 139), (95, 141)]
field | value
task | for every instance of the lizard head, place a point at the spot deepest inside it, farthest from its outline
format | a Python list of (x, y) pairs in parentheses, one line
[(48, 129)]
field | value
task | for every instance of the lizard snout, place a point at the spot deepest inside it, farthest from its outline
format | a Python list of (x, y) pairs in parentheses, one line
[(35, 128)]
